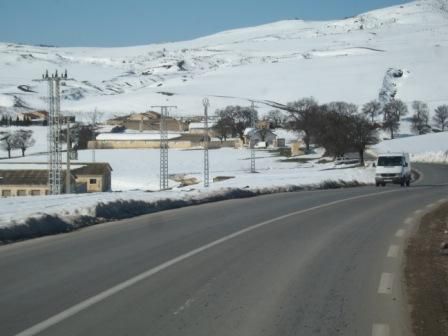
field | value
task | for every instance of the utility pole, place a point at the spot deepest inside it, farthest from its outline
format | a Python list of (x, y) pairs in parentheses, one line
[(252, 142), (206, 104), (163, 145), (69, 149), (94, 121), (54, 131)]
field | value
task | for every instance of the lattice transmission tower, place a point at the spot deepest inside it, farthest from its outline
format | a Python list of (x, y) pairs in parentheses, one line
[(164, 114), (206, 104), (54, 131), (253, 125)]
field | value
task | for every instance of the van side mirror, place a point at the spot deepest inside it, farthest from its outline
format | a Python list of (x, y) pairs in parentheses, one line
[(374, 164)]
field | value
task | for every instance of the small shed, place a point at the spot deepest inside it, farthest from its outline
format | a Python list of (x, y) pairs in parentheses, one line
[(94, 177)]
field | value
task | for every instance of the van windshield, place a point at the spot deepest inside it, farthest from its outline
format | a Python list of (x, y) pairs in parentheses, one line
[(390, 161)]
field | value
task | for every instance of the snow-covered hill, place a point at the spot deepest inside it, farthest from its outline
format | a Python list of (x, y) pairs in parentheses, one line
[(333, 60)]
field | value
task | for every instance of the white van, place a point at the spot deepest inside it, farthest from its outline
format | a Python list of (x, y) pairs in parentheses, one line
[(393, 168)]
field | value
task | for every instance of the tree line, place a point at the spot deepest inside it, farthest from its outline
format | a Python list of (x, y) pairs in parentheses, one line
[(339, 127), (9, 121)]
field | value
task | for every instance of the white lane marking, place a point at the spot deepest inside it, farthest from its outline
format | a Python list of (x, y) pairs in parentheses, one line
[(386, 283), (36, 329), (409, 221), (400, 233), (186, 305), (380, 330), (393, 251)]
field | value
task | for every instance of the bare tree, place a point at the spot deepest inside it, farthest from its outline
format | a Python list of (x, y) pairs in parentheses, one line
[(303, 115), (237, 118), (420, 119), (362, 134), (441, 117), (334, 129), (222, 129), (95, 117), (8, 142), (276, 118), (372, 109), (23, 139), (343, 107), (393, 111)]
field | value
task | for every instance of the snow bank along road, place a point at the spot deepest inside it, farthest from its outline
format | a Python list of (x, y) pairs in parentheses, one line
[(308, 263)]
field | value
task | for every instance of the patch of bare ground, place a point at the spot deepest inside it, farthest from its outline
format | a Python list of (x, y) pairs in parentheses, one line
[(426, 274)]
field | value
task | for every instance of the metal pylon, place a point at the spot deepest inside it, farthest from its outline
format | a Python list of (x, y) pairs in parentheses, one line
[(206, 104), (164, 146), (252, 142), (163, 149), (54, 132)]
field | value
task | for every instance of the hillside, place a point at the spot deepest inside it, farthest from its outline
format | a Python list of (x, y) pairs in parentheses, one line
[(332, 60)]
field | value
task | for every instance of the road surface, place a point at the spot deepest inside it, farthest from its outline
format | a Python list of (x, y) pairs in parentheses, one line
[(306, 263)]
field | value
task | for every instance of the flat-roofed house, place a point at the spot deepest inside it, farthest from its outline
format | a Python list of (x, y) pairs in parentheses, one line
[(24, 182)]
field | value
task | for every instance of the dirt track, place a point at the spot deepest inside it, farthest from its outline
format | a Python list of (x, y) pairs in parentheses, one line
[(426, 275)]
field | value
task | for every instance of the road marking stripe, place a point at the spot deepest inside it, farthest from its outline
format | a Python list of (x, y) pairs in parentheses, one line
[(380, 330), (386, 283), (393, 251), (36, 329), (400, 233)]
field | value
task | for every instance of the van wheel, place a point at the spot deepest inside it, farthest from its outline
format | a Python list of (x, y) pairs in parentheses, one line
[(408, 182), (383, 184), (377, 184)]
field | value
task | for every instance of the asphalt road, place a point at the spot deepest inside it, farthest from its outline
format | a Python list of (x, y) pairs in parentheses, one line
[(306, 263)]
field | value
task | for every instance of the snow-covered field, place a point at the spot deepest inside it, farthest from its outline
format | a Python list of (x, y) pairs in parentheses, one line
[(424, 148), (138, 169), (282, 61)]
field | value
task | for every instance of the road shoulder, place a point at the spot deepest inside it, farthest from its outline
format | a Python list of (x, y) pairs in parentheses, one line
[(426, 274)]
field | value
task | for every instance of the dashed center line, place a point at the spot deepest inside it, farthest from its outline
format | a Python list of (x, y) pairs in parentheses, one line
[(380, 330), (393, 251), (386, 283), (400, 233)]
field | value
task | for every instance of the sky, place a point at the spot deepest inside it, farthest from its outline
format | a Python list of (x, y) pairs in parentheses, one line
[(114, 23)]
